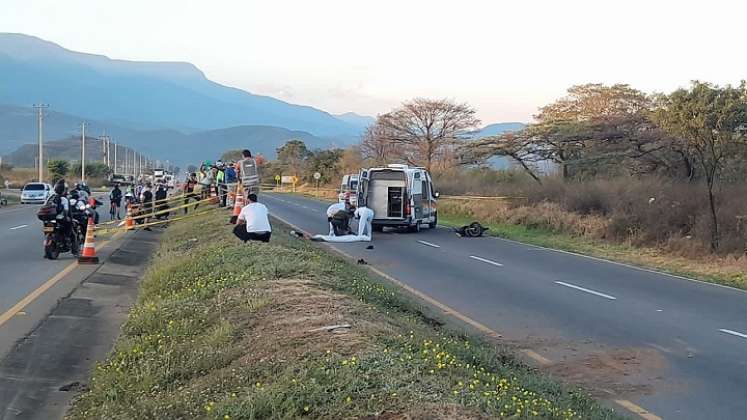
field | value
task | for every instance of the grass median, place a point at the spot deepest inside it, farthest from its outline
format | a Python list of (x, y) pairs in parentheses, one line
[(224, 330)]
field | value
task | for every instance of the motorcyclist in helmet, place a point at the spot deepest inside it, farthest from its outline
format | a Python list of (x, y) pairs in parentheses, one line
[(64, 215), (78, 210)]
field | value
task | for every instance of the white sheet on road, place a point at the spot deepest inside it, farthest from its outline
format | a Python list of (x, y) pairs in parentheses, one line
[(344, 238)]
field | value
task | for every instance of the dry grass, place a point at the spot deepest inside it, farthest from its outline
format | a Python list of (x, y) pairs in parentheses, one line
[(19, 177)]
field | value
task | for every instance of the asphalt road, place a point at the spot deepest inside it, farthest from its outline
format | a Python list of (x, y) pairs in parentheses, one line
[(675, 347), (23, 267)]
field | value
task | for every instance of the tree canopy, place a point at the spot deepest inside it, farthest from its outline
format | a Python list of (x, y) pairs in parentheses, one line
[(422, 131)]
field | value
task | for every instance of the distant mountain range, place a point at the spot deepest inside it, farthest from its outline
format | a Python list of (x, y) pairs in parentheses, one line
[(499, 128), (167, 110), (360, 121), (144, 95), (499, 162)]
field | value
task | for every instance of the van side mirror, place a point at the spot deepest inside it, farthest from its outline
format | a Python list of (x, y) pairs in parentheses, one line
[(437, 194)]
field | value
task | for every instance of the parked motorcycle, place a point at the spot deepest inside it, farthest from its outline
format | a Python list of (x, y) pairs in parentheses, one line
[(56, 242)]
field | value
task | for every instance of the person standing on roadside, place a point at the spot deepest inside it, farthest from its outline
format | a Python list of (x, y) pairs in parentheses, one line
[(220, 182), (161, 204), (189, 191), (115, 202), (248, 173), (146, 198), (253, 223), (206, 183)]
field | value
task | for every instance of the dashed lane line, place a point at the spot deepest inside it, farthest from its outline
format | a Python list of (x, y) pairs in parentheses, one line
[(429, 244), (583, 289), (485, 260), (19, 227), (628, 405), (735, 333)]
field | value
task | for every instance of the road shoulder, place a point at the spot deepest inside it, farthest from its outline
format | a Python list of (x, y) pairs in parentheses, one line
[(42, 370)]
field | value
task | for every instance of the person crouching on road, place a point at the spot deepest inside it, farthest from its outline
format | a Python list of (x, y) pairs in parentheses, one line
[(253, 223), (338, 216)]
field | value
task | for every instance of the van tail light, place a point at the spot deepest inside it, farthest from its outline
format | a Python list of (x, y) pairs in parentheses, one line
[(407, 208)]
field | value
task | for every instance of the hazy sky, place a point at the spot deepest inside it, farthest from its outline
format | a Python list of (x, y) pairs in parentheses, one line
[(506, 58)]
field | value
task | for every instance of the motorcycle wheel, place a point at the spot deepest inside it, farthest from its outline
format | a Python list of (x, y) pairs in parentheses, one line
[(51, 252)]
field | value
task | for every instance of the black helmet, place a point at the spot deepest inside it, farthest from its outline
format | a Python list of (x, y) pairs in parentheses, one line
[(59, 187)]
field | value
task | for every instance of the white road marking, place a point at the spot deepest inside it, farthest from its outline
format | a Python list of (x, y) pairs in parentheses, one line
[(573, 286), (647, 270), (19, 227), (429, 244), (485, 260), (738, 334)]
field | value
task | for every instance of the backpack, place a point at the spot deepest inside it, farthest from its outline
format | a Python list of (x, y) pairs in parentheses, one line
[(50, 209)]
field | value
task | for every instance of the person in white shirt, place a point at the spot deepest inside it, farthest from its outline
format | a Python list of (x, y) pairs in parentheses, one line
[(253, 223), (331, 211), (365, 217)]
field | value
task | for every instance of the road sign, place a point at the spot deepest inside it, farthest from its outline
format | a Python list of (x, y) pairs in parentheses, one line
[(277, 177), (295, 179), (317, 175)]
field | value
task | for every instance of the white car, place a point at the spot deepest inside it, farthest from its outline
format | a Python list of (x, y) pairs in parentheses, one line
[(35, 193)]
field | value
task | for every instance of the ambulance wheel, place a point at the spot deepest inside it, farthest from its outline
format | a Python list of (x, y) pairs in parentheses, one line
[(434, 223), (377, 228), (414, 228)]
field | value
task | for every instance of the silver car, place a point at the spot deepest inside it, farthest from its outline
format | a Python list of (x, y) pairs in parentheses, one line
[(35, 193)]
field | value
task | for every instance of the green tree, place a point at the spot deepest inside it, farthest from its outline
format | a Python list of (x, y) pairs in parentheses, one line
[(93, 169), (326, 162), (421, 131), (710, 123), (292, 156), (595, 129), (57, 169)]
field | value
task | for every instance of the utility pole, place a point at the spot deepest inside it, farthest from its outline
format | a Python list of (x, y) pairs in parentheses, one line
[(115, 158), (83, 152), (40, 118)]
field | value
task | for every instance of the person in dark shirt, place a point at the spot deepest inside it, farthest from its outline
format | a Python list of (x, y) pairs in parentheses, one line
[(189, 191)]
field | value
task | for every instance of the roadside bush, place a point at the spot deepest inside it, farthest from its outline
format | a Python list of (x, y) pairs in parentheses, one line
[(653, 212)]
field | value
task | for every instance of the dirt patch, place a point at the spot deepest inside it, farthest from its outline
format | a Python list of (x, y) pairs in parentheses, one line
[(292, 324), (618, 372), (431, 412)]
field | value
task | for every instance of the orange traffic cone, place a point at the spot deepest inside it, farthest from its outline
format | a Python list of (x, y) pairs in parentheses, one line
[(89, 247), (231, 199), (129, 223), (237, 208), (213, 197)]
